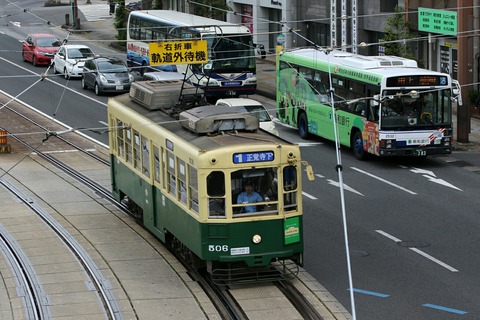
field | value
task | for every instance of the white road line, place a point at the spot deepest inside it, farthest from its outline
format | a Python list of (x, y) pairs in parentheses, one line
[(383, 180), (420, 252), (309, 195)]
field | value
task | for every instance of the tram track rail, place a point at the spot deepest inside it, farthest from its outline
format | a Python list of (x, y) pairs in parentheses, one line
[(224, 302), (102, 288), (27, 282)]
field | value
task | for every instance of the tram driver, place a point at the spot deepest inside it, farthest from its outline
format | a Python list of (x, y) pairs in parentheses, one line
[(249, 196)]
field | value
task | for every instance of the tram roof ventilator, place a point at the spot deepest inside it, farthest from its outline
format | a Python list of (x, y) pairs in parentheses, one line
[(166, 95)]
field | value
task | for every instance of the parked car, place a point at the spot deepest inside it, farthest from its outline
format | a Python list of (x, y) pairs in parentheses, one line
[(253, 107), (106, 74), (70, 58), (39, 48)]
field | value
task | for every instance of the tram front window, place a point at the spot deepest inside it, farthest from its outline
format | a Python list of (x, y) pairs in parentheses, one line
[(254, 191)]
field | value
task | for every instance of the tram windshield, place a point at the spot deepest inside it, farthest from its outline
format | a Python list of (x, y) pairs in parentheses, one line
[(254, 191)]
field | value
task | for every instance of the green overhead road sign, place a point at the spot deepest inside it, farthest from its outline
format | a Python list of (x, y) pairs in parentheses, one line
[(437, 21)]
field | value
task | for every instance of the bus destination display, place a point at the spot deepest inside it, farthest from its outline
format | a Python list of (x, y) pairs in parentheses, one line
[(421, 81)]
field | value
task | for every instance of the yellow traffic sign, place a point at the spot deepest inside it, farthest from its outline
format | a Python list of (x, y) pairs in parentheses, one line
[(178, 52)]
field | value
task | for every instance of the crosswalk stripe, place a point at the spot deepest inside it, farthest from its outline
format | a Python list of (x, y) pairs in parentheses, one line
[(95, 12)]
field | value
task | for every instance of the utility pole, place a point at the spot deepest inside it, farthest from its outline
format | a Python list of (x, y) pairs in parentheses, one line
[(465, 12)]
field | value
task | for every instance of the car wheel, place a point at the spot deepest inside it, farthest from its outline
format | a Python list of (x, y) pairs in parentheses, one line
[(97, 90), (84, 84), (34, 61), (54, 68), (65, 74), (357, 146)]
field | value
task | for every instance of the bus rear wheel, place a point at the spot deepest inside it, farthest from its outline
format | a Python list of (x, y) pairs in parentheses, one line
[(303, 126), (357, 146)]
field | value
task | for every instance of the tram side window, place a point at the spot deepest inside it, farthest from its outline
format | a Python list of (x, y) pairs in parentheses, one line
[(182, 181), (290, 187), (120, 141), (128, 145), (216, 194), (193, 188), (136, 149), (156, 164), (172, 186), (145, 156)]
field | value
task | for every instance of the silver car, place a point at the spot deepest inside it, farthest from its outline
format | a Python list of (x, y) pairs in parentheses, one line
[(106, 74)]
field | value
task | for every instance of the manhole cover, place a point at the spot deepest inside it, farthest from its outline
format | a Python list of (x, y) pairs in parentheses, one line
[(358, 253), (413, 244)]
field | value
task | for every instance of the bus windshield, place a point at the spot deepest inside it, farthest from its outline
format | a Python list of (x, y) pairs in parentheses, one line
[(407, 109), (232, 54)]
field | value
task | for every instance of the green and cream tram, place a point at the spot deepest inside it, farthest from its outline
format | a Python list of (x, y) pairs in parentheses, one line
[(182, 179)]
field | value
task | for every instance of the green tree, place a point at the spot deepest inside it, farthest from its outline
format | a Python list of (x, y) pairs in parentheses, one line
[(397, 33), (208, 9)]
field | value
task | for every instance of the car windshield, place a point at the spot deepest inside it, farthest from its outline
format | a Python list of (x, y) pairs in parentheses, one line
[(258, 111), (79, 53), (48, 42), (111, 66)]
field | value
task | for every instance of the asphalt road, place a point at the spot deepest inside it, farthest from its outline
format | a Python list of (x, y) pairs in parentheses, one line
[(412, 223)]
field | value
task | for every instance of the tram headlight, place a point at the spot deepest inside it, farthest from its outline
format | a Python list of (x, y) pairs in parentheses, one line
[(257, 239)]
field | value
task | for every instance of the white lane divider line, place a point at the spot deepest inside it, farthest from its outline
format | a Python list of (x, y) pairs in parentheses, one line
[(420, 252), (383, 180)]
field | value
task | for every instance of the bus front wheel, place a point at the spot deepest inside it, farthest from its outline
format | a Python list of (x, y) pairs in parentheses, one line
[(303, 126), (357, 146)]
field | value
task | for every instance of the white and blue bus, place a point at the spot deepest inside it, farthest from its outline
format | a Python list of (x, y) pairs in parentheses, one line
[(230, 69)]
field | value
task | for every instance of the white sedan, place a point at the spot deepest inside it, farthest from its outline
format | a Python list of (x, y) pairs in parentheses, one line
[(253, 107), (70, 59)]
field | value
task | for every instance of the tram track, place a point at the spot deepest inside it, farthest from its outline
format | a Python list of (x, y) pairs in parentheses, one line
[(31, 293), (106, 298), (222, 298)]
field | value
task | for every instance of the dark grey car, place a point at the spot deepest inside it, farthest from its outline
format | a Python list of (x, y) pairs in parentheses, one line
[(106, 74)]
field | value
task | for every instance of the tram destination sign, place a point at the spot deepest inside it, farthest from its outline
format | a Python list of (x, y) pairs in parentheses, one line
[(437, 21), (178, 52), (258, 156)]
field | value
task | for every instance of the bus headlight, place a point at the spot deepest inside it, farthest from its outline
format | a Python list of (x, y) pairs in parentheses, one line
[(446, 142), (386, 144), (257, 239)]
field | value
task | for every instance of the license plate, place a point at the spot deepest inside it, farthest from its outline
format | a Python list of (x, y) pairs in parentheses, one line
[(419, 153), (118, 87), (231, 83)]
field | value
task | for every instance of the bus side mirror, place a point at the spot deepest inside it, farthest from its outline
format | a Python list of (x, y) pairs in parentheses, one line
[(376, 100)]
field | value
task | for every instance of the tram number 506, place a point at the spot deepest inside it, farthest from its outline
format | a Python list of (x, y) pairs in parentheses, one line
[(218, 248)]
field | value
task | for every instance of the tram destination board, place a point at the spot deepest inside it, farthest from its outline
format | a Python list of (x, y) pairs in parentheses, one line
[(245, 157), (417, 80)]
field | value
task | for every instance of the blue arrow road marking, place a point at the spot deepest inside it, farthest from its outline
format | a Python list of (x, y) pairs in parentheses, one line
[(434, 306), (371, 293)]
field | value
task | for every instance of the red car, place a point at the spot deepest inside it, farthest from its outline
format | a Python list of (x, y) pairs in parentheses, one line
[(39, 48)]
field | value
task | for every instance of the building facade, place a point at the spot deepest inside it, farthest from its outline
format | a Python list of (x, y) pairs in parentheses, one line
[(296, 23)]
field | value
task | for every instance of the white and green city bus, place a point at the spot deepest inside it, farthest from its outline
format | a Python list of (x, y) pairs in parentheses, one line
[(384, 105)]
